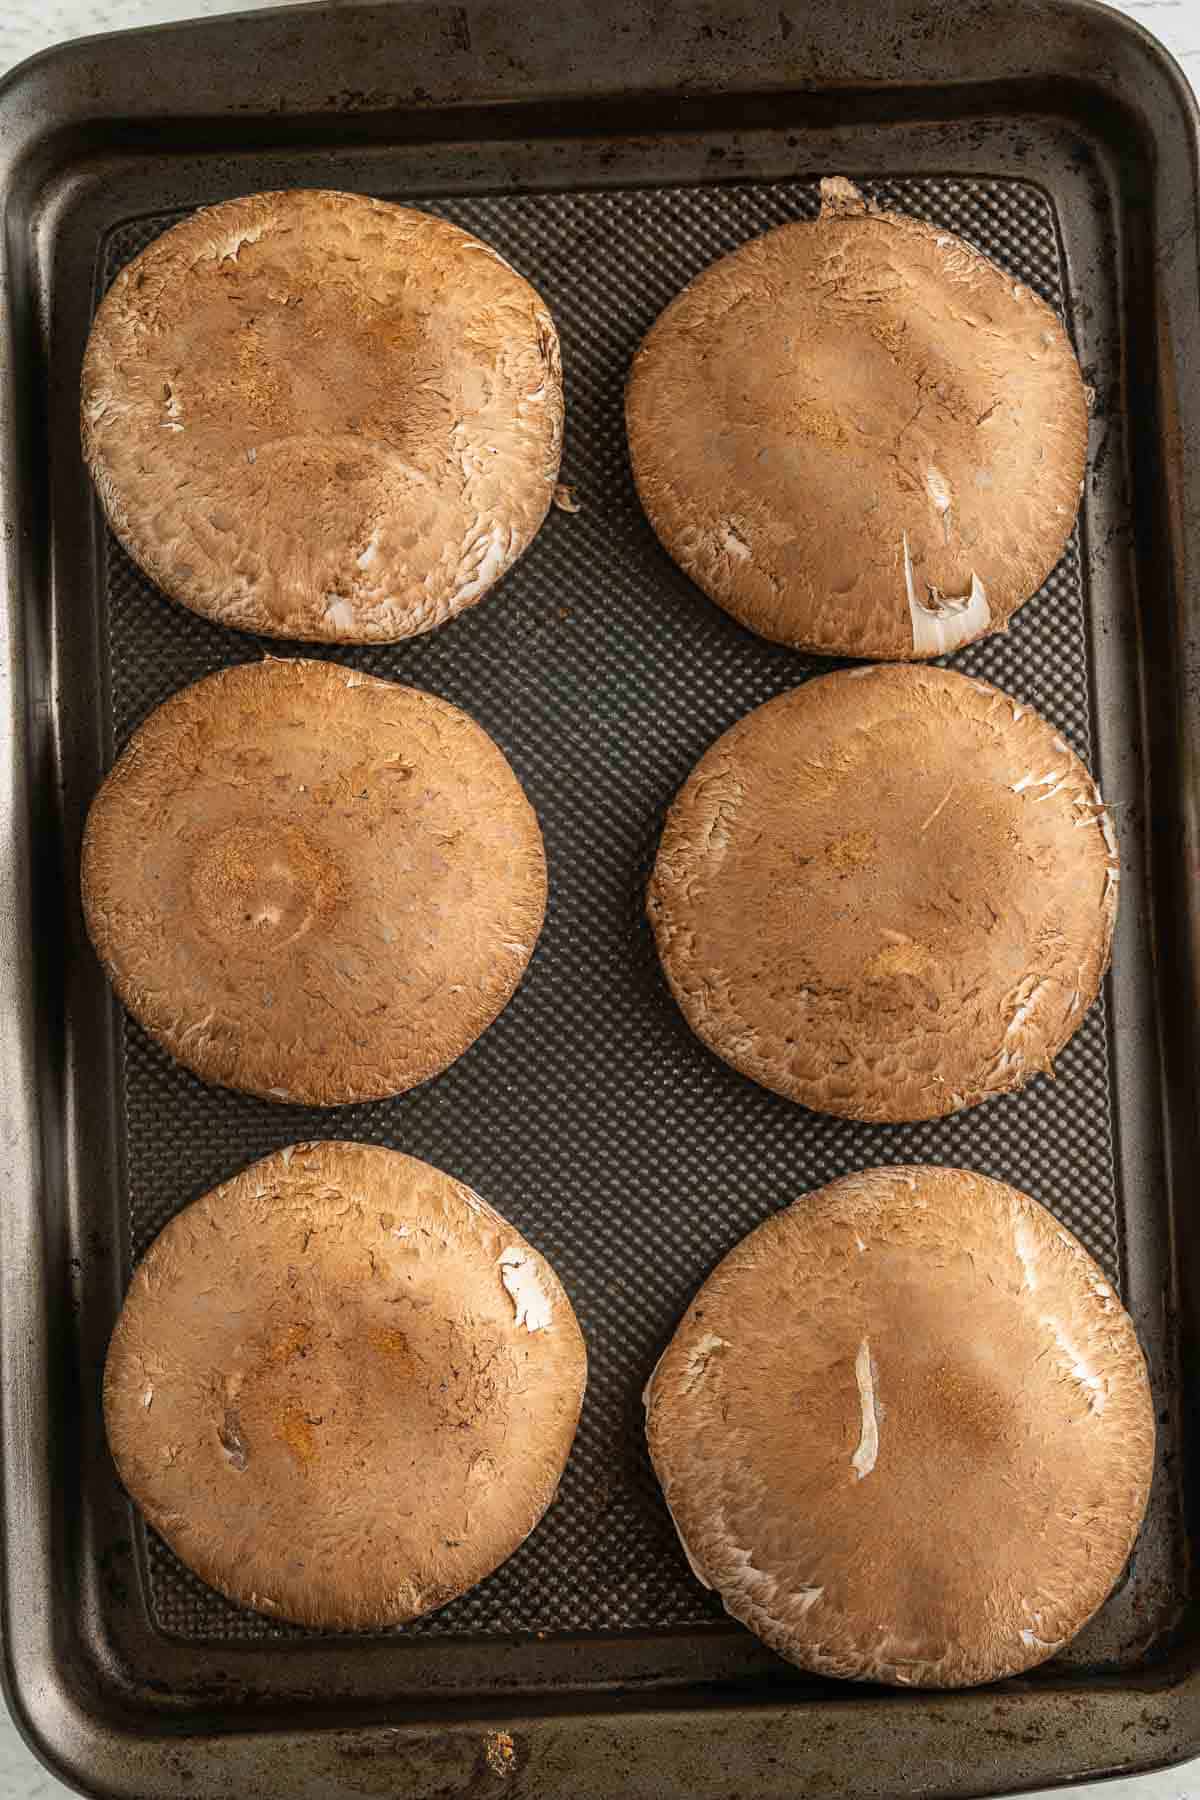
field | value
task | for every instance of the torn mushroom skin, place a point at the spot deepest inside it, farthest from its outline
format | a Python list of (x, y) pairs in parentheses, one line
[(888, 894), (859, 436), (354, 1417), (310, 884), (321, 416), (903, 1335)]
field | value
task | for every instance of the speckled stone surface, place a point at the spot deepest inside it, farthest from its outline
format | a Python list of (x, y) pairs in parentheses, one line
[(27, 26)]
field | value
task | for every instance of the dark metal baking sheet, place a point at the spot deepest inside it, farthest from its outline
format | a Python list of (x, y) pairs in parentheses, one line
[(587, 1114), (590, 1115)]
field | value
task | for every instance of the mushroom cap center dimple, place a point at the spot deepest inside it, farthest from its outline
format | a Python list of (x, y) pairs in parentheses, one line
[(264, 884)]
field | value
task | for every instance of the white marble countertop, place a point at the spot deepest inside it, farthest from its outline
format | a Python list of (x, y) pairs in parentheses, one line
[(30, 25)]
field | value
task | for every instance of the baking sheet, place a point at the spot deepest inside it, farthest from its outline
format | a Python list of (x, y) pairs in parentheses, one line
[(611, 153), (589, 1115)]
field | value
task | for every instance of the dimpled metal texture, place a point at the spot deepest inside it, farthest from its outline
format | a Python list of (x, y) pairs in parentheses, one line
[(588, 1114)]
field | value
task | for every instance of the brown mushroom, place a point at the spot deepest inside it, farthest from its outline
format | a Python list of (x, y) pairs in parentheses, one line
[(342, 1388), (859, 436), (320, 416), (311, 884), (905, 1430), (888, 894)]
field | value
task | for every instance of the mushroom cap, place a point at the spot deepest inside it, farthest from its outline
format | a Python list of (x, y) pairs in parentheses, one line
[(320, 416), (859, 436), (342, 1388), (310, 884), (905, 1430), (888, 894)]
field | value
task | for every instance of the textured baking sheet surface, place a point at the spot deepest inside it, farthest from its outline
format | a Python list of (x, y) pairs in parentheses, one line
[(588, 1114)]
